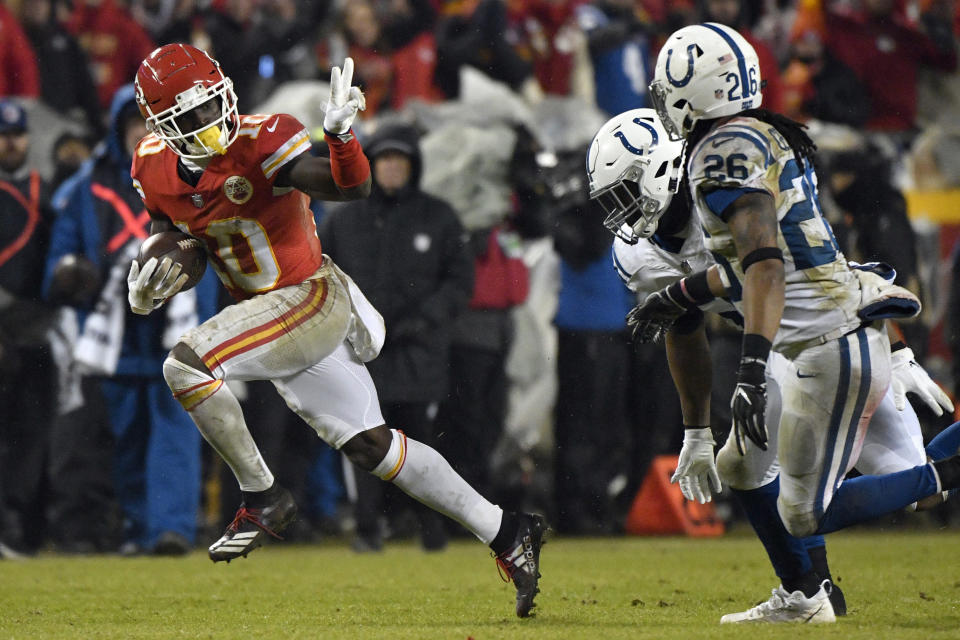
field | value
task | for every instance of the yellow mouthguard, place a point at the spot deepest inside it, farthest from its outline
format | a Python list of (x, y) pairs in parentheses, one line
[(210, 138)]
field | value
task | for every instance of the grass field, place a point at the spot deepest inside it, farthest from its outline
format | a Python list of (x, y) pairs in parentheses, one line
[(898, 585)]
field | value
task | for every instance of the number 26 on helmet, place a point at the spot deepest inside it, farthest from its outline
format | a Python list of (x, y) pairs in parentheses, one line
[(704, 71)]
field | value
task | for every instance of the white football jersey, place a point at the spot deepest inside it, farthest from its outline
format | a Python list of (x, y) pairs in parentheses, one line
[(657, 262), (744, 155)]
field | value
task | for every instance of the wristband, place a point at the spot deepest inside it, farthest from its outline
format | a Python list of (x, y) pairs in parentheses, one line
[(753, 359), (898, 345), (348, 164), (755, 346), (691, 292)]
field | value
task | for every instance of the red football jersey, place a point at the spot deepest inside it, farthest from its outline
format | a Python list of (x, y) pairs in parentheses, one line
[(259, 237)]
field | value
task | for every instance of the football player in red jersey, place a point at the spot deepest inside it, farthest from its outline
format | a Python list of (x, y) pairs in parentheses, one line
[(241, 184)]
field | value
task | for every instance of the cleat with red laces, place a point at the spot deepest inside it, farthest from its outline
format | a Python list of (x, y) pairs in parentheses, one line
[(521, 562), (252, 525)]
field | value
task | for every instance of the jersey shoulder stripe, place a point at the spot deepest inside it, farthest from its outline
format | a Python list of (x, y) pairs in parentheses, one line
[(289, 150)]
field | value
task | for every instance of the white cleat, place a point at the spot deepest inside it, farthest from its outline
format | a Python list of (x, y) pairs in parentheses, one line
[(789, 607)]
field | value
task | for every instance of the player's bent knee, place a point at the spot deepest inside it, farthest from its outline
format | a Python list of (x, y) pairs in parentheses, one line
[(190, 386), (182, 353), (392, 461), (797, 517), (370, 448)]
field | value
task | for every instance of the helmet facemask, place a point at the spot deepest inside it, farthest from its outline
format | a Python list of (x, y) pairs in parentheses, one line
[(632, 214), (207, 139)]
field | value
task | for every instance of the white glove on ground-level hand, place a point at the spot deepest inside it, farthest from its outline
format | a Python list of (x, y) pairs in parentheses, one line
[(908, 376), (150, 286), (345, 100), (696, 470)]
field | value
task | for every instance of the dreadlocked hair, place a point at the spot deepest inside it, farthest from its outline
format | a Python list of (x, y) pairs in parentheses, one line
[(791, 130)]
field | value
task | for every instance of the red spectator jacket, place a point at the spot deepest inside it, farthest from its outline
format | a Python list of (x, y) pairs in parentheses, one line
[(18, 61), (885, 55), (114, 41)]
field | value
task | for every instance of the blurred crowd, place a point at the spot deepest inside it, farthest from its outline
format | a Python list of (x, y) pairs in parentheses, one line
[(516, 364)]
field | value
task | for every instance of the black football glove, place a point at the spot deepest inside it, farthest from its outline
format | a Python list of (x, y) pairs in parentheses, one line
[(650, 320), (749, 404)]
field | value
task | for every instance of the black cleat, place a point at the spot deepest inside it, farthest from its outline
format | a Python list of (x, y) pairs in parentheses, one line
[(837, 600), (251, 525), (521, 562)]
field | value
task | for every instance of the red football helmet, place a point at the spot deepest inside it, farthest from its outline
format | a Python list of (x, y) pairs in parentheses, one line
[(175, 79)]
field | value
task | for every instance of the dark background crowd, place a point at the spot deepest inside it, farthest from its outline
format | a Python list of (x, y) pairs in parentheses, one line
[(507, 350)]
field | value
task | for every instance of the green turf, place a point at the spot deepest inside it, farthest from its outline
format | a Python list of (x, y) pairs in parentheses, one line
[(898, 585)]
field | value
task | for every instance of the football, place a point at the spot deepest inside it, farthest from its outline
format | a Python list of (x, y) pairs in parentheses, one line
[(179, 247)]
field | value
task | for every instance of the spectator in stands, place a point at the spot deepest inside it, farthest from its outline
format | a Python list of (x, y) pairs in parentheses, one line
[(548, 37), (818, 85), (114, 42), (886, 52), (19, 75), (69, 152), (65, 79), (360, 35), (405, 249), (408, 31), (591, 421), (27, 382), (619, 45), (157, 448), (474, 413), (474, 33), (736, 14)]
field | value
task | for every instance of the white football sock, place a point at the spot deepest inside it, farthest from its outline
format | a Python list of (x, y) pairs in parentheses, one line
[(422, 473), (217, 414)]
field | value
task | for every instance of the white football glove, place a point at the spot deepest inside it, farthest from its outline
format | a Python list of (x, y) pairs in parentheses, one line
[(150, 286), (345, 100), (697, 470), (908, 376)]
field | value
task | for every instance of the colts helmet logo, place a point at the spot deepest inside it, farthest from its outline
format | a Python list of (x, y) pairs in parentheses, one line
[(238, 189)]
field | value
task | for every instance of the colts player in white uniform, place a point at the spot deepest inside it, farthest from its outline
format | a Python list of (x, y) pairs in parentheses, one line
[(753, 189), (630, 165)]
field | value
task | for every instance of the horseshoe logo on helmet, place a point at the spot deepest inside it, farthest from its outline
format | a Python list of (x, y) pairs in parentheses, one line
[(682, 82), (632, 149)]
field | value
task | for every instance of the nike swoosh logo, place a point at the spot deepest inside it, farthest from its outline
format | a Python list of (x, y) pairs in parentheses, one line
[(275, 121), (801, 375)]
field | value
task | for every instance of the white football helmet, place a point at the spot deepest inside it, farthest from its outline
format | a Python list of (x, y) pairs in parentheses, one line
[(634, 170), (704, 71)]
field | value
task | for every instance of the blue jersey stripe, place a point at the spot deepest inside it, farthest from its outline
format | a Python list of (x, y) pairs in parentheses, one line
[(861, 401), (719, 199), (833, 430), (744, 77)]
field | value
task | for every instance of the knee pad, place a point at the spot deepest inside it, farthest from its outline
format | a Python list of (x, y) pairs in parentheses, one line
[(392, 463), (797, 517), (189, 386)]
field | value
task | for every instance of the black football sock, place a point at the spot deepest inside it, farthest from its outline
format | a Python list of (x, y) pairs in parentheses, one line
[(949, 472), (508, 531), (259, 499), (809, 583)]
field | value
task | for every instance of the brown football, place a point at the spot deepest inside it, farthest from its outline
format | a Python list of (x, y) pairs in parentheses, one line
[(179, 247)]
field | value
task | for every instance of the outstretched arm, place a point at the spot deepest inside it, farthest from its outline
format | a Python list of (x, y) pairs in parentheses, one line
[(346, 174)]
